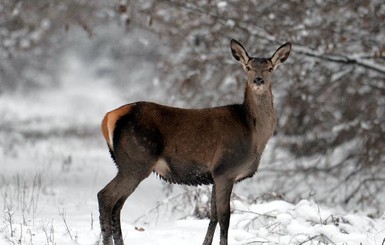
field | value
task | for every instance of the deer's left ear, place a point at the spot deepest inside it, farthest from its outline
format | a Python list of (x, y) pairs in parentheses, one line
[(281, 55)]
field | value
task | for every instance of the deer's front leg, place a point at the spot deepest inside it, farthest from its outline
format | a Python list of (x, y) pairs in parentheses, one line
[(223, 193)]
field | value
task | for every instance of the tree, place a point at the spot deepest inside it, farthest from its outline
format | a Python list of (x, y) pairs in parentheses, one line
[(31, 32)]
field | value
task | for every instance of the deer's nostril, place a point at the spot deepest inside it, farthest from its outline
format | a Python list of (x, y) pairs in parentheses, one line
[(258, 80)]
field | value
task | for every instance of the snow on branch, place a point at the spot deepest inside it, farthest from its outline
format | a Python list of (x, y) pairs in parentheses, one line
[(346, 59)]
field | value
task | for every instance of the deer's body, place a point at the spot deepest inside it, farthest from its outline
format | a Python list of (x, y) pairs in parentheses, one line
[(219, 146)]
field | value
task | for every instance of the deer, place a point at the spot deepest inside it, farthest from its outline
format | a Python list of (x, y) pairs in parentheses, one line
[(216, 146)]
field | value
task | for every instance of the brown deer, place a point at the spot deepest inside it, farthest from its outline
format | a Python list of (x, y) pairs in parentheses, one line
[(218, 146)]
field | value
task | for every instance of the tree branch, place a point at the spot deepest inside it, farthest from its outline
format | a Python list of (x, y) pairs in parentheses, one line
[(346, 59)]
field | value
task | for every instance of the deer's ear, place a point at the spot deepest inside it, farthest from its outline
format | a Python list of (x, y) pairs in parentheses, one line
[(281, 55), (239, 52)]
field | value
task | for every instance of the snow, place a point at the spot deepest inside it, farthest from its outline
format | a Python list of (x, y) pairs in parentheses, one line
[(222, 4), (53, 161), (288, 225)]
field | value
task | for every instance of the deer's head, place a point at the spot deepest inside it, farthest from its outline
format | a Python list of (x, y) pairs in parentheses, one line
[(259, 69)]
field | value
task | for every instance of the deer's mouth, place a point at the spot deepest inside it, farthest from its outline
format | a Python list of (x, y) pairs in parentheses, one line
[(257, 88)]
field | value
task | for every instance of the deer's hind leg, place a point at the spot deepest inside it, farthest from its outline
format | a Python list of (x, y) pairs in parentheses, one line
[(111, 200), (116, 226), (107, 200)]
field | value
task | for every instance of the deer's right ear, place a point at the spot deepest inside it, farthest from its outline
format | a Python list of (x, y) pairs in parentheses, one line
[(239, 52)]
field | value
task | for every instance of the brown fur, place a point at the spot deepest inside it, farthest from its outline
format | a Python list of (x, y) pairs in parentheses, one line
[(218, 146)]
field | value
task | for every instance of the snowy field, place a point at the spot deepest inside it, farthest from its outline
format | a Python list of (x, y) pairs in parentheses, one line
[(53, 161)]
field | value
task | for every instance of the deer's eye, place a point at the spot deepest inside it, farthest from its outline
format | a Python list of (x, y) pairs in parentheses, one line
[(270, 69)]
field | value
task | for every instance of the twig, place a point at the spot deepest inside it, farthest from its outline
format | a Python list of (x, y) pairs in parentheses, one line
[(21, 233), (9, 218), (356, 190), (273, 226), (251, 212), (165, 202), (258, 242), (63, 215), (322, 236), (92, 221)]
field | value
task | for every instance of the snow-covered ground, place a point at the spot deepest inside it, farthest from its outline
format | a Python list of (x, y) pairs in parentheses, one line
[(53, 161)]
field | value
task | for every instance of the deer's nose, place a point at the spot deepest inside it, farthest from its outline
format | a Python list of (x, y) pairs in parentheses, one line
[(258, 80)]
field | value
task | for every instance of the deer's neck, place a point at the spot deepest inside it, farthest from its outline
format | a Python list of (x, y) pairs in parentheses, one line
[(260, 109)]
